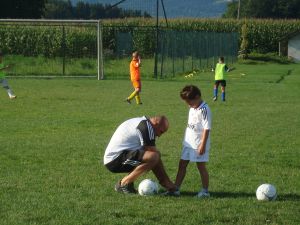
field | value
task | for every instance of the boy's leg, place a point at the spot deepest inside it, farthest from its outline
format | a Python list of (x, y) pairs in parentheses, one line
[(204, 175), (223, 93), (136, 92), (223, 85), (216, 91), (132, 95), (137, 85), (181, 172), (8, 89), (138, 99)]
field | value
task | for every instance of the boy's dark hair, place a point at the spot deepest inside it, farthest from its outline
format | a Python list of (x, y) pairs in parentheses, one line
[(221, 58), (190, 92), (136, 53)]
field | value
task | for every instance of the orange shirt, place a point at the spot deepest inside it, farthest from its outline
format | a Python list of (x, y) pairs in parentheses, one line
[(135, 70)]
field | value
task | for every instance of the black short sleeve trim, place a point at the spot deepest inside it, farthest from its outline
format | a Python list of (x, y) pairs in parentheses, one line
[(146, 130)]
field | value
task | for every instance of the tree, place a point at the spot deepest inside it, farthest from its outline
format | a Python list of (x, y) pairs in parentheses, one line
[(243, 53), (82, 11), (232, 9), (23, 9), (63, 9), (289, 9), (97, 11), (58, 9)]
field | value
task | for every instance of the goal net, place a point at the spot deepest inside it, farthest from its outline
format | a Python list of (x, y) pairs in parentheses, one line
[(50, 47)]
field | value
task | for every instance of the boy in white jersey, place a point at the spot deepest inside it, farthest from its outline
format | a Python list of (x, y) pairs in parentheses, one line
[(196, 142)]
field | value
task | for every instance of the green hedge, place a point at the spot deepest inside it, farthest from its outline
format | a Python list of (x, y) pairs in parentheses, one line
[(49, 41), (264, 35)]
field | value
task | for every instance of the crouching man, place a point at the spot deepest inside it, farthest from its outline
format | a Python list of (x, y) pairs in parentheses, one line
[(132, 150)]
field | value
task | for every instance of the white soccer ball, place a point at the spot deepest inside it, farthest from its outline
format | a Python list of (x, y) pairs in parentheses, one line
[(148, 187), (266, 192)]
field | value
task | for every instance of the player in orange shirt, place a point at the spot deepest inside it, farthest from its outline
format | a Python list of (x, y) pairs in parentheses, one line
[(135, 78)]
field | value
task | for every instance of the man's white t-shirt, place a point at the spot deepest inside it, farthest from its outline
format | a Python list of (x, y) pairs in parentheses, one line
[(131, 135), (199, 120)]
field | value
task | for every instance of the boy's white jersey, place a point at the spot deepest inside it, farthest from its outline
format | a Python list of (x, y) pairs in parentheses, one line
[(199, 120)]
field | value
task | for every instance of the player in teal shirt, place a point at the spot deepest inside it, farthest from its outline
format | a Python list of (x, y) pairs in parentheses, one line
[(220, 70), (3, 81)]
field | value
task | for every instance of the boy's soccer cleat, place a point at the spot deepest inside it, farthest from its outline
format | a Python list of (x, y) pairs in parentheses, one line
[(12, 96), (203, 194), (126, 189), (127, 100)]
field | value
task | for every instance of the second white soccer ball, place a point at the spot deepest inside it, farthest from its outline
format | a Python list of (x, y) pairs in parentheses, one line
[(266, 192), (148, 187)]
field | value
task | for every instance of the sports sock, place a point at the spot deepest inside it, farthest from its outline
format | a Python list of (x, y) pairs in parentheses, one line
[(223, 96), (138, 98), (215, 92), (132, 95)]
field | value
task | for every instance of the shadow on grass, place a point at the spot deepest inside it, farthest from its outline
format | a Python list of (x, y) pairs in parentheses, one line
[(288, 197), (222, 194), (280, 197)]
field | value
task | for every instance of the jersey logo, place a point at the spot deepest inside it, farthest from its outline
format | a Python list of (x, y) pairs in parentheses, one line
[(204, 112), (191, 126), (131, 162)]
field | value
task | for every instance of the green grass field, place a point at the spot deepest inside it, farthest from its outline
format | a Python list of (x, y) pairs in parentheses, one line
[(53, 137)]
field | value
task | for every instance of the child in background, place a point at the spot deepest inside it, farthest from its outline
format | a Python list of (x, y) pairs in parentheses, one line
[(3, 81), (135, 78), (220, 70), (196, 142)]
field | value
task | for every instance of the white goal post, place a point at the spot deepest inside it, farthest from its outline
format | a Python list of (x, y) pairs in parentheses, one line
[(46, 22)]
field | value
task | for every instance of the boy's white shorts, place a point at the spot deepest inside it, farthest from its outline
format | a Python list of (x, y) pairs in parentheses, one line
[(193, 156)]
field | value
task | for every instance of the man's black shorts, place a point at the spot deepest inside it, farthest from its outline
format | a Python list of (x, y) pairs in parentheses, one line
[(222, 82), (126, 161)]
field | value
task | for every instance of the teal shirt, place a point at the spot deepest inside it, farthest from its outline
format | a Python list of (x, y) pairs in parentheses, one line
[(2, 72)]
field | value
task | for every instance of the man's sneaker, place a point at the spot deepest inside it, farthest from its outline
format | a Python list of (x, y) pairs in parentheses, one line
[(175, 193), (12, 96), (128, 101), (126, 189), (131, 188), (202, 194), (215, 98)]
